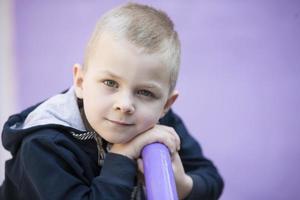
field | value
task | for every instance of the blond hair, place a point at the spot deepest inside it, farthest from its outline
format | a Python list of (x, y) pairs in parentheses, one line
[(146, 28)]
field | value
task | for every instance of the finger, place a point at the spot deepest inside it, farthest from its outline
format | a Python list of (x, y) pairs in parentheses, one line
[(172, 131), (140, 165), (162, 134), (177, 140), (170, 142)]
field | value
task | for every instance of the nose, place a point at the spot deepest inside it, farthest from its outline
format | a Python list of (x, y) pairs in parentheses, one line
[(124, 103)]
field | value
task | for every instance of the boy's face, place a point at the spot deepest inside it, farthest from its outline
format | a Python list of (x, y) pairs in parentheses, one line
[(124, 91)]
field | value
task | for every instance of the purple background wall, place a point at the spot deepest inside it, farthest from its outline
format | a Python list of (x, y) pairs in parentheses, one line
[(239, 81)]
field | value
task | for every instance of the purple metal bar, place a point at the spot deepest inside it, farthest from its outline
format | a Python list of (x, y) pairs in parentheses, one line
[(159, 177)]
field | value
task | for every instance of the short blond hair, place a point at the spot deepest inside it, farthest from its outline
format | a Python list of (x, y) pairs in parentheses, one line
[(146, 28)]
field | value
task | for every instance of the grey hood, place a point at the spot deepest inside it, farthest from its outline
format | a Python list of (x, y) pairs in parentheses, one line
[(59, 111)]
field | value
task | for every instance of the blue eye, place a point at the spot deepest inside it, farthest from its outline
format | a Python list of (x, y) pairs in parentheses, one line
[(111, 83), (145, 93)]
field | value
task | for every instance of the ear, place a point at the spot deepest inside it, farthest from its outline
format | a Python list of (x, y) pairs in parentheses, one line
[(78, 77), (172, 98)]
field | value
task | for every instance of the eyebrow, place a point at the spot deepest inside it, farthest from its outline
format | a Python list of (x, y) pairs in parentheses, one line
[(151, 86), (110, 74)]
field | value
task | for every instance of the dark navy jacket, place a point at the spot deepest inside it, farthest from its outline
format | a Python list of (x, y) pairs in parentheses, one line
[(48, 162)]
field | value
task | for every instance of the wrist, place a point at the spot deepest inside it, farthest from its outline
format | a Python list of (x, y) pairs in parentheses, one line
[(186, 187)]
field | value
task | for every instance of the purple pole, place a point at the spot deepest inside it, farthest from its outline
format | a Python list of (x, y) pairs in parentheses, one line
[(159, 177)]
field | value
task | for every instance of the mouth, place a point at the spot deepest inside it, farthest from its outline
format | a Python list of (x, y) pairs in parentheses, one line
[(121, 123)]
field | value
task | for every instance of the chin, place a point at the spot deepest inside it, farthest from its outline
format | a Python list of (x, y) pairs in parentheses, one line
[(119, 136), (116, 140)]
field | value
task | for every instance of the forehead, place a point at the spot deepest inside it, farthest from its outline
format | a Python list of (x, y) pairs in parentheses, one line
[(120, 56)]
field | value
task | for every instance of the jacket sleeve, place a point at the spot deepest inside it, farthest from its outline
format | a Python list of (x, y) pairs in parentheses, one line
[(53, 171), (207, 182)]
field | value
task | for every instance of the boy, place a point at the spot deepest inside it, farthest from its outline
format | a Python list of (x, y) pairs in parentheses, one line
[(86, 142)]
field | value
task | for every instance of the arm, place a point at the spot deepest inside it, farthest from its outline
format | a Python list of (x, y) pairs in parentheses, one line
[(207, 183), (55, 172)]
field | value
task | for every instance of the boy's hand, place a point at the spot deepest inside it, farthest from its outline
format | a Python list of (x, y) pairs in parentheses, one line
[(167, 136), (159, 133), (184, 182)]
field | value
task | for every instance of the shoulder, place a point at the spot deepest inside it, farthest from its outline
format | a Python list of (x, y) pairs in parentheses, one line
[(173, 120), (49, 141), (170, 119), (52, 150), (50, 135)]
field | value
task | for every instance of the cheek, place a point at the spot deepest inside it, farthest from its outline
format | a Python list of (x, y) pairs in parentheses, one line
[(95, 99), (91, 114), (148, 117), (95, 107)]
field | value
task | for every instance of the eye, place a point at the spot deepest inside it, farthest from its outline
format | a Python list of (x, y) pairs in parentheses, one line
[(111, 83), (145, 93)]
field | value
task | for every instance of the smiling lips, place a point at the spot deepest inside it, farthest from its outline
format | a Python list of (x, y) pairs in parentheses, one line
[(120, 123)]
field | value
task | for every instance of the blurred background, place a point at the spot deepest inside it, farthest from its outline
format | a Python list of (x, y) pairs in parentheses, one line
[(239, 81)]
